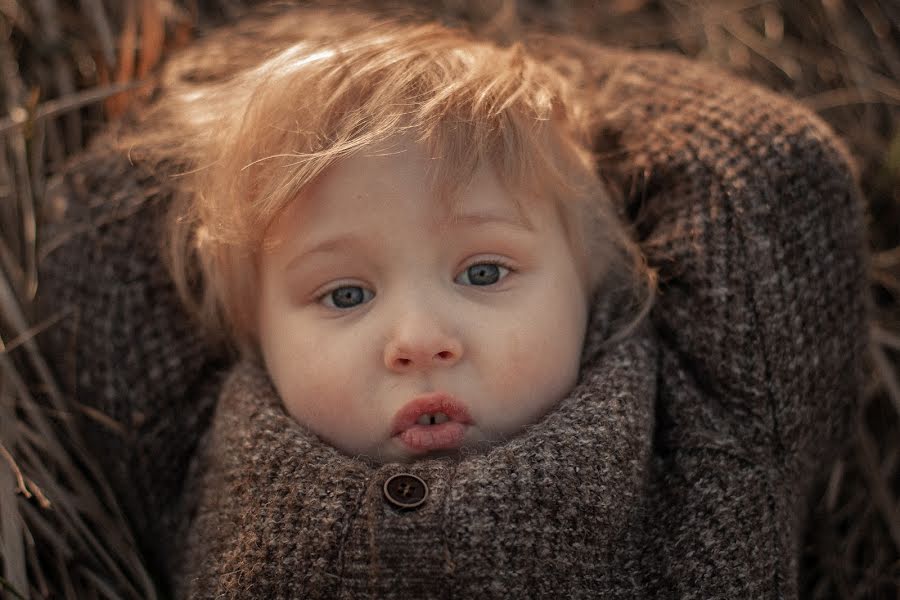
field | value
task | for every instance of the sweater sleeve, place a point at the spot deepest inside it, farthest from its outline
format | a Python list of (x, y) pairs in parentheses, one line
[(746, 205), (123, 351)]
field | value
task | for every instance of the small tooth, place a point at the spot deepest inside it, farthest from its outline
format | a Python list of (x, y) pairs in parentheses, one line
[(424, 419), (440, 418)]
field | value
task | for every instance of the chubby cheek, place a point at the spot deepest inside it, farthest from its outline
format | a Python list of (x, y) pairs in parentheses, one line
[(532, 375), (312, 392)]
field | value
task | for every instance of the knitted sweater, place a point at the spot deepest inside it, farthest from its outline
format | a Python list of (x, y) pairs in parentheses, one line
[(677, 467)]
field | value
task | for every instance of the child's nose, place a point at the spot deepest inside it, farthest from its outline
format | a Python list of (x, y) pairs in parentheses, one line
[(420, 343)]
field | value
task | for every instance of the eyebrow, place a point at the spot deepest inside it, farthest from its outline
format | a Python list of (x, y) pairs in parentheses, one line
[(475, 219), (326, 246), (453, 221)]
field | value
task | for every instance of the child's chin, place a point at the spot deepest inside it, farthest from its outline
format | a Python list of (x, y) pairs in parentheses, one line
[(396, 452)]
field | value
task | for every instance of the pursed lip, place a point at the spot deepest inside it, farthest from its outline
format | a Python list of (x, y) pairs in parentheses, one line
[(431, 403)]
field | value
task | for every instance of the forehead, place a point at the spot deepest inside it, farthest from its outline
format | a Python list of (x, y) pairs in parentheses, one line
[(359, 188)]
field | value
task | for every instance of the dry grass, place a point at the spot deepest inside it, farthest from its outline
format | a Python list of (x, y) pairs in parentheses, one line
[(67, 67)]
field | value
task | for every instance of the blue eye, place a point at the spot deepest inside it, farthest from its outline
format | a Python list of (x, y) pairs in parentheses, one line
[(482, 274), (347, 296)]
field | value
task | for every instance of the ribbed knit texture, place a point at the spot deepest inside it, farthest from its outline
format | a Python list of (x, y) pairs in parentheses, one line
[(678, 466), (125, 349)]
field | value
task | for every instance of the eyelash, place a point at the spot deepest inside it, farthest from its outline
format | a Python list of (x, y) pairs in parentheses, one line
[(320, 298)]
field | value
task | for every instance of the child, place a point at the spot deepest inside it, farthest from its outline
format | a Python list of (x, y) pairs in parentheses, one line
[(391, 222), (403, 231)]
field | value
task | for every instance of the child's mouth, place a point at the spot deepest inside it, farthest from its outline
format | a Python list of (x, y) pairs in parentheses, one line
[(433, 421), (433, 437)]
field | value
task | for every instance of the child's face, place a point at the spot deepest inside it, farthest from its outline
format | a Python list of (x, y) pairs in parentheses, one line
[(377, 312)]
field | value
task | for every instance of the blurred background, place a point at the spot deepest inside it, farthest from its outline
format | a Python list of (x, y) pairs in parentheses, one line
[(69, 67)]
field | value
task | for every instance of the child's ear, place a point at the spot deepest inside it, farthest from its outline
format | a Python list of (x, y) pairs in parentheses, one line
[(246, 338), (250, 314), (243, 306)]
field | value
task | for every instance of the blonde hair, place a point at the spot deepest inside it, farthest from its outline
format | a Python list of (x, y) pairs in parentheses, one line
[(251, 131)]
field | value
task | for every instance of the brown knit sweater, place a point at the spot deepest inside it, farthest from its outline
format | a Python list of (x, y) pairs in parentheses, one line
[(678, 466)]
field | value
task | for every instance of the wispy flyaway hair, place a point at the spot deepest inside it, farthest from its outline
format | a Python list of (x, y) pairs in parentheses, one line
[(253, 133)]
